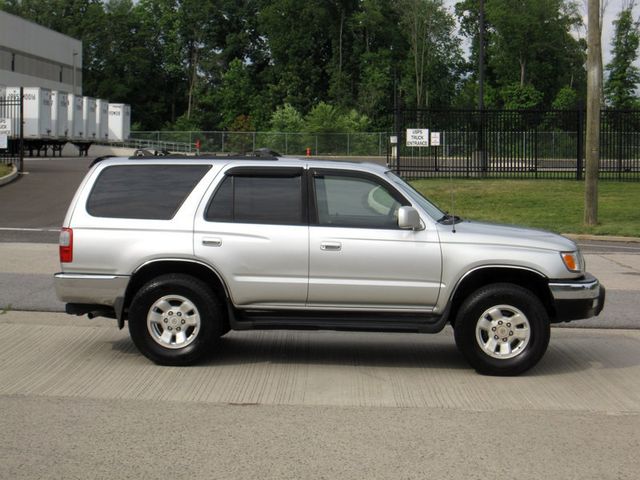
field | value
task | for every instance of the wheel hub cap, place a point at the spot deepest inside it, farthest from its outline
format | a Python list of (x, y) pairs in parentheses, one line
[(503, 331), (173, 321)]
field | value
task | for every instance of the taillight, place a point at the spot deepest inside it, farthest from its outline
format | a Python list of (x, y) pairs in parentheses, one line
[(66, 245)]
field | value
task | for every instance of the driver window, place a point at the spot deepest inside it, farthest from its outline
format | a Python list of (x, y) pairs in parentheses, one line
[(345, 201)]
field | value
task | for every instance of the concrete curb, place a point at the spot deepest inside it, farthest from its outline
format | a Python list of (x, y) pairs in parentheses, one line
[(9, 178), (601, 238)]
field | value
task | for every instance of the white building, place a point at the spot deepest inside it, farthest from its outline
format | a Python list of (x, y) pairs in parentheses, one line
[(34, 56)]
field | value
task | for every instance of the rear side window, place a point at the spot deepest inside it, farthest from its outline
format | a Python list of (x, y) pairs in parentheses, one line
[(151, 192), (269, 199)]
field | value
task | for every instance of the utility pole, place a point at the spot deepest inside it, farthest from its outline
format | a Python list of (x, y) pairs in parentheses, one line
[(594, 80), (481, 152), (481, 58)]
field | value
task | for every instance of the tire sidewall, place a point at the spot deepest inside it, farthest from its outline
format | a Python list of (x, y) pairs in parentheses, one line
[(502, 294), (195, 291)]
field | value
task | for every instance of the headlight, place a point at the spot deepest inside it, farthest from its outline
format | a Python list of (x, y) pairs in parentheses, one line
[(573, 261)]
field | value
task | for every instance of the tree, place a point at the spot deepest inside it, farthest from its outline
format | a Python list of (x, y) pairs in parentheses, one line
[(434, 56), (300, 48), (527, 42), (236, 94), (516, 97), (623, 76), (286, 119)]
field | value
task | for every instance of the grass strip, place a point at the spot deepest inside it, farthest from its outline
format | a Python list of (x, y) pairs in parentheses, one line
[(556, 205)]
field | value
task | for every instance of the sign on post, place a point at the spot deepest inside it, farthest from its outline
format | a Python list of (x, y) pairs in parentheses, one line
[(435, 139), (5, 132), (5, 126), (417, 137)]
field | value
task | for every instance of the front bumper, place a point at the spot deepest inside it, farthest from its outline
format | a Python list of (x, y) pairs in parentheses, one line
[(577, 299)]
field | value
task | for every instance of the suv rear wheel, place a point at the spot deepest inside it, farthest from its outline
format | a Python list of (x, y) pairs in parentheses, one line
[(502, 329), (174, 319)]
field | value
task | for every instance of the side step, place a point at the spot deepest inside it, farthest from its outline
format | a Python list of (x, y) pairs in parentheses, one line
[(336, 320)]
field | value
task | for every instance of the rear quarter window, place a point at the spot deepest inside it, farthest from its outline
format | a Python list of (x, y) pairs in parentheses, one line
[(150, 192)]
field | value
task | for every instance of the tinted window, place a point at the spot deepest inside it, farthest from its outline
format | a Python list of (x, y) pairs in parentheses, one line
[(347, 201), (153, 192), (258, 199)]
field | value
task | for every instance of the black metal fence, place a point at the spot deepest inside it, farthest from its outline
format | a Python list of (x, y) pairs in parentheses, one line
[(516, 144), (11, 114)]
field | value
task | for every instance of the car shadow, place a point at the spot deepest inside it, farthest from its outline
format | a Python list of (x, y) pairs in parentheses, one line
[(564, 356)]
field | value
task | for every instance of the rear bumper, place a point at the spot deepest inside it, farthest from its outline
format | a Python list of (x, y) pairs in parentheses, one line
[(90, 289), (577, 299)]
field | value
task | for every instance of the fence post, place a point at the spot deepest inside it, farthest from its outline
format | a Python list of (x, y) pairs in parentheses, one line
[(21, 165), (580, 145), (254, 141), (286, 144), (398, 125)]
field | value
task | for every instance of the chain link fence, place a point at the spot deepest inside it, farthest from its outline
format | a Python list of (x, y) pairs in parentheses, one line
[(285, 143)]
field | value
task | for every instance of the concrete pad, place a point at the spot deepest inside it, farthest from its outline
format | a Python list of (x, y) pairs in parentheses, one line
[(583, 371)]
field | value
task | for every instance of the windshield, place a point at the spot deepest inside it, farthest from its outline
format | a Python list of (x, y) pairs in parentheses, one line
[(433, 211)]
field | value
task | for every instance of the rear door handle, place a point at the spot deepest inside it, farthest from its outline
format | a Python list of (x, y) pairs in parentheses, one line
[(212, 242), (333, 246)]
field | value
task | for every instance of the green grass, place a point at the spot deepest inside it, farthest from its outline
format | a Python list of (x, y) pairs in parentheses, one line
[(556, 205), (4, 169)]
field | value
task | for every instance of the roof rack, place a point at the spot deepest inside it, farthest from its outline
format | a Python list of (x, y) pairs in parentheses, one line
[(259, 154)]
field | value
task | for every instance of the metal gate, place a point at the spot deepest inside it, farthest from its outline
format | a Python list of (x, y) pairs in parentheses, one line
[(11, 134), (516, 144)]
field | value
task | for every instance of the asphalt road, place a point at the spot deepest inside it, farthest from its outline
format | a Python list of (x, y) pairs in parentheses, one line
[(78, 401)]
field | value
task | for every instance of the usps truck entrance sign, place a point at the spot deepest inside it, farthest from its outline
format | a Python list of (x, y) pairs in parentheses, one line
[(5, 131), (417, 137)]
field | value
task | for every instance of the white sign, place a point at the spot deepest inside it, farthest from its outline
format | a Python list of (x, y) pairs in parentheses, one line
[(435, 139), (417, 137), (393, 139), (5, 126), (3, 141)]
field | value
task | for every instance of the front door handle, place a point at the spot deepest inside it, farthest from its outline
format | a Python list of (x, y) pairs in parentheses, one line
[(333, 246), (212, 242)]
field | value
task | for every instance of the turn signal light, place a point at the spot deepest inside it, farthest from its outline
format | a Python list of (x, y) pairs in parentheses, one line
[(571, 261), (66, 245)]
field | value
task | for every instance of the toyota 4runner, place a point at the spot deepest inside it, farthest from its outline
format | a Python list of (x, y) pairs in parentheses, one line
[(186, 249)]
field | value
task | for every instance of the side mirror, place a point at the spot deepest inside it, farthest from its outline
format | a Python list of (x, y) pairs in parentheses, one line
[(408, 219)]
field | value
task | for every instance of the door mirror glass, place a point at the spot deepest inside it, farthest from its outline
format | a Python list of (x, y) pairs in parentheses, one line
[(409, 219)]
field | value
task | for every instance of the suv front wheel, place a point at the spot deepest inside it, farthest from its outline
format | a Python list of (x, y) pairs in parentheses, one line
[(174, 319), (502, 329)]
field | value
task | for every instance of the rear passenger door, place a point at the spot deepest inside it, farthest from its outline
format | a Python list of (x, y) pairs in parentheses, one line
[(254, 231)]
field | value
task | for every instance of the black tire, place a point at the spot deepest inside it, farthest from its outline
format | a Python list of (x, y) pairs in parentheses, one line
[(174, 319), (485, 340)]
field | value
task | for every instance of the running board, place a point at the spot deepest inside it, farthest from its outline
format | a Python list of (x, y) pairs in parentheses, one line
[(335, 320)]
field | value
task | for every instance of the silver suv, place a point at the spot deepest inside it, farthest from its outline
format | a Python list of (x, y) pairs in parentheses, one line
[(186, 249)]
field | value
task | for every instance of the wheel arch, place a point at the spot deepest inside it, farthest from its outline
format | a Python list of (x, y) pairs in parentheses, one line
[(154, 268), (479, 277)]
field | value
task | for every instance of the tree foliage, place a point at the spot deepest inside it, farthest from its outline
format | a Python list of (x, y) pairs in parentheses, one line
[(321, 65), (623, 76)]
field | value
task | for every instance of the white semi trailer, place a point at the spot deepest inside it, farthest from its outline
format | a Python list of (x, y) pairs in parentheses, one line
[(119, 121)]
